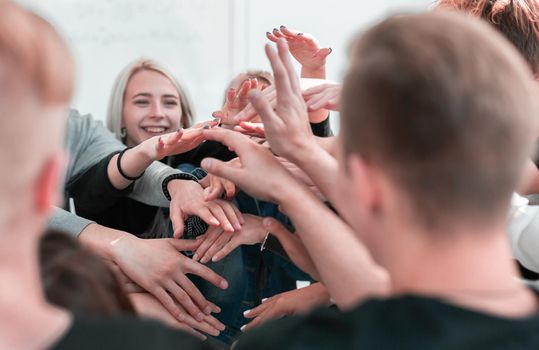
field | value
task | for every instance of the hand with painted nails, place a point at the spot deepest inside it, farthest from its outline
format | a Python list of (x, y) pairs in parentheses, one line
[(216, 244), (286, 125), (325, 96), (235, 101), (157, 266), (188, 198), (306, 50), (147, 306), (215, 187), (294, 302)]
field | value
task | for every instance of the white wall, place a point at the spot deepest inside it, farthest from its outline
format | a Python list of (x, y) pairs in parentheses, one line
[(206, 42)]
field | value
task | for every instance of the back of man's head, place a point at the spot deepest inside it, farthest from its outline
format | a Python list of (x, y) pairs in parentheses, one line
[(444, 105), (517, 20), (36, 79)]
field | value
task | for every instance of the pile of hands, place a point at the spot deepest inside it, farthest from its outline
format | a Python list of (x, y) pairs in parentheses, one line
[(157, 280)]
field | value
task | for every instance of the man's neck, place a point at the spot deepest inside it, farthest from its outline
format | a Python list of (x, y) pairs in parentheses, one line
[(472, 268), (27, 321)]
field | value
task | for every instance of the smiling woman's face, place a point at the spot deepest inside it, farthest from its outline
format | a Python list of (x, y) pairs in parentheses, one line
[(151, 107)]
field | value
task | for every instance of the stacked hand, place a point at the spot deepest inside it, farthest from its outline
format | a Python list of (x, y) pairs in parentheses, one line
[(188, 198), (157, 266)]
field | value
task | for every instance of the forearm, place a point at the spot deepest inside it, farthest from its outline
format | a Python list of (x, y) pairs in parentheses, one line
[(67, 222), (101, 239), (133, 163), (345, 266), (148, 189)]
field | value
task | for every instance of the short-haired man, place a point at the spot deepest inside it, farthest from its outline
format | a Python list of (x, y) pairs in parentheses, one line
[(436, 126)]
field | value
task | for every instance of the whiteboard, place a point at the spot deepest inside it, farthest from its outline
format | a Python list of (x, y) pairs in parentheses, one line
[(205, 42)]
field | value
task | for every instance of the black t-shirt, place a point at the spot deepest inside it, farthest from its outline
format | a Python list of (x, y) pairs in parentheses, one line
[(404, 323), (125, 333)]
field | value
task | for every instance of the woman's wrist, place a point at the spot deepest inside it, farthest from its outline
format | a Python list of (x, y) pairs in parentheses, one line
[(313, 72)]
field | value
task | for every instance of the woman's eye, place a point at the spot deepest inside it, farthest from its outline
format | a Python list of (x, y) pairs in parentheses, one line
[(172, 103), (141, 102)]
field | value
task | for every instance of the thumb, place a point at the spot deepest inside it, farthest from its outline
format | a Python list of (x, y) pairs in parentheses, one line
[(323, 53), (221, 169)]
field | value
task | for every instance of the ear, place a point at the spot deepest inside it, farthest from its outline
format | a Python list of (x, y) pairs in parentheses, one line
[(49, 183), (366, 184)]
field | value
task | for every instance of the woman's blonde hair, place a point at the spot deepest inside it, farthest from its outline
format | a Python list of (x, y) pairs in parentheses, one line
[(116, 102)]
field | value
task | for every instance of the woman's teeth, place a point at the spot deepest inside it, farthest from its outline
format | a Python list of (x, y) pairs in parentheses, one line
[(155, 129)]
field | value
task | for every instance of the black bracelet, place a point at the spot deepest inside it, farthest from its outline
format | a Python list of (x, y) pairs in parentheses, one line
[(177, 176), (119, 166)]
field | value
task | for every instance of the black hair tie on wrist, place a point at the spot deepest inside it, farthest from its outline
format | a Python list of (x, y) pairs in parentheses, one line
[(119, 166)]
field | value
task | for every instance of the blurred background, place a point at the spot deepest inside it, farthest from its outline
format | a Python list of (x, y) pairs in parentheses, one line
[(204, 42)]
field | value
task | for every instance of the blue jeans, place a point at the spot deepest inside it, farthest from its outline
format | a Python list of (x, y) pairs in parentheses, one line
[(251, 274)]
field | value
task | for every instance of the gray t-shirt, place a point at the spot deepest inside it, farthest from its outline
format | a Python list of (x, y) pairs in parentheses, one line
[(87, 142)]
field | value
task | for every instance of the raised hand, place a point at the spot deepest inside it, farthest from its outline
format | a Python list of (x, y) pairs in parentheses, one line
[(215, 186), (305, 49), (235, 101), (287, 127)]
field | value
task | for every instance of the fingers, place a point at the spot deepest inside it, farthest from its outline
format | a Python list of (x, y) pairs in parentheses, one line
[(324, 52), (166, 300), (206, 273), (207, 216), (194, 294), (259, 309), (264, 109), (282, 82), (221, 241), (232, 213), (217, 114), (227, 249), (219, 212), (174, 138), (211, 236), (230, 190), (184, 244), (284, 54), (265, 316), (176, 217), (184, 300)]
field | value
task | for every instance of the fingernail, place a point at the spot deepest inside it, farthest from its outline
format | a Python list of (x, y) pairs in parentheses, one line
[(237, 227), (229, 228), (181, 317), (200, 316), (214, 222), (268, 33), (223, 284), (215, 258), (275, 29), (246, 312), (204, 260), (243, 327), (207, 310), (330, 50), (299, 34), (264, 299), (195, 257), (283, 27)]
